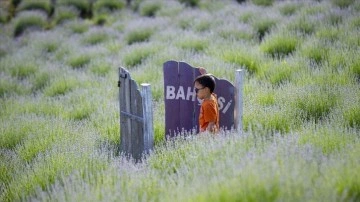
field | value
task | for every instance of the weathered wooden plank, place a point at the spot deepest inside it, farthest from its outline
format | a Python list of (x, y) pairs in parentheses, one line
[(133, 129), (125, 127), (148, 116), (122, 85), (140, 126), (136, 127)]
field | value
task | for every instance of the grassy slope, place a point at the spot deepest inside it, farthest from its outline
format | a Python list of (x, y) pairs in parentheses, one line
[(59, 120)]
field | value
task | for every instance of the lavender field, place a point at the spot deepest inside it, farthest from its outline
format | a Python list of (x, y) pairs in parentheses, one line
[(59, 132)]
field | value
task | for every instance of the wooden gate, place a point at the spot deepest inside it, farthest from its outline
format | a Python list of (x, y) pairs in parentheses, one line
[(136, 117)]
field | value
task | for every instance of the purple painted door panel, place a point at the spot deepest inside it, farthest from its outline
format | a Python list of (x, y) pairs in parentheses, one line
[(225, 92), (172, 105)]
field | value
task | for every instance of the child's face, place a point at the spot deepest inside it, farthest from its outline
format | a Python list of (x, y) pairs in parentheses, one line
[(202, 92)]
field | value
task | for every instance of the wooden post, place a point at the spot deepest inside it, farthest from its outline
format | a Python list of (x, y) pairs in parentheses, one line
[(148, 117), (124, 101), (239, 84)]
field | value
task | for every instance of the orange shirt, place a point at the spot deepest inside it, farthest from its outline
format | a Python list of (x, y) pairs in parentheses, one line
[(209, 112)]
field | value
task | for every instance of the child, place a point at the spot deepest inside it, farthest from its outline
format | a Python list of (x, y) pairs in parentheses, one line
[(209, 111)]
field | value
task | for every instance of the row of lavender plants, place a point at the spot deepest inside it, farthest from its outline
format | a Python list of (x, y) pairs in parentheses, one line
[(59, 117)]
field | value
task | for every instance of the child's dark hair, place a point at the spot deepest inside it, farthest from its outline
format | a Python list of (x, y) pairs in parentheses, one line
[(206, 80)]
